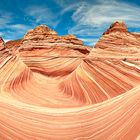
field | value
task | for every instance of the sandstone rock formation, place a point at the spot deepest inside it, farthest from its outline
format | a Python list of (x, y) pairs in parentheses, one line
[(117, 26), (91, 96), (1, 42), (44, 37), (118, 42), (13, 44), (42, 43), (117, 37)]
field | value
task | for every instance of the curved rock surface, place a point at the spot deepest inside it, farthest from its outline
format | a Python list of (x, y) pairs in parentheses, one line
[(44, 51), (117, 37), (118, 42), (63, 94), (44, 37), (13, 44)]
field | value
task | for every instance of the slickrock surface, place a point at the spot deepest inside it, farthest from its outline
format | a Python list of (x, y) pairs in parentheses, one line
[(118, 42), (13, 44), (43, 37), (118, 38), (50, 92), (42, 50)]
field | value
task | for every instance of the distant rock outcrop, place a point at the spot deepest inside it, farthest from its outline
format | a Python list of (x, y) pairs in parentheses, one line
[(43, 44), (43, 32), (117, 26), (42, 37), (118, 38), (40, 32)]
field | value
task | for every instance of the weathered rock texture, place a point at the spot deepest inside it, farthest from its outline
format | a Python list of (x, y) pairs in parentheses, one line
[(13, 44), (63, 97), (118, 38), (118, 42), (42, 43), (43, 37)]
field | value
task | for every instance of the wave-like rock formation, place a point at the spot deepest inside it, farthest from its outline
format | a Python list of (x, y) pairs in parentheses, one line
[(42, 50), (13, 44), (55, 88)]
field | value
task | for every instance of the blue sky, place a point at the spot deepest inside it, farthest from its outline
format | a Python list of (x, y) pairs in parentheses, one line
[(86, 19)]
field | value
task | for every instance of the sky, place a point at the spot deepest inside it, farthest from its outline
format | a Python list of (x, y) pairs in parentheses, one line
[(86, 19)]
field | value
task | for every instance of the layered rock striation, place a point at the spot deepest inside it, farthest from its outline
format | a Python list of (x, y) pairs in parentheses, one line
[(118, 38), (43, 37), (56, 92), (42, 45)]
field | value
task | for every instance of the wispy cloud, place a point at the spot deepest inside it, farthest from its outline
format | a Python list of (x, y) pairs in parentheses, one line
[(5, 18), (14, 31), (19, 27), (1, 34), (86, 19), (71, 7), (68, 5), (12, 28), (98, 16), (8, 29), (42, 15), (89, 41), (106, 12)]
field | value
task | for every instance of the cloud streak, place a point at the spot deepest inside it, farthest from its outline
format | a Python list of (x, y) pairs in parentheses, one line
[(87, 19), (5, 18), (98, 16), (42, 15), (10, 30)]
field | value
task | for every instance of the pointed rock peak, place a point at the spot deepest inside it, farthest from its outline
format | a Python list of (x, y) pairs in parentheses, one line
[(1, 42), (118, 26), (39, 32), (44, 29)]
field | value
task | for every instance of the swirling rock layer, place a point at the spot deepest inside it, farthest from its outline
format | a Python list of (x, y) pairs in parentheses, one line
[(52, 88)]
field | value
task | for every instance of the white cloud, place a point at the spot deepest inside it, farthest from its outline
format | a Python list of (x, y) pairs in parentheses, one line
[(94, 19), (106, 12), (5, 18), (71, 7), (1, 34), (91, 18), (19, 27), (9, 30), (68, 5), (42, 15), (86, 30), (14, 31), (89, 41), (61, 3)]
